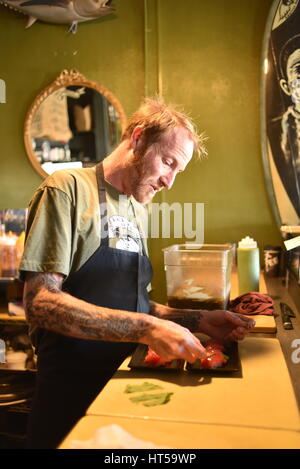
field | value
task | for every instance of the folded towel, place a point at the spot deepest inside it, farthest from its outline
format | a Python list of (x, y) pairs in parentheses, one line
[(252, 303)]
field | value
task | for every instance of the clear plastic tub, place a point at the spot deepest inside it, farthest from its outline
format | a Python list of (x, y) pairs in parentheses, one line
[(198, 276)]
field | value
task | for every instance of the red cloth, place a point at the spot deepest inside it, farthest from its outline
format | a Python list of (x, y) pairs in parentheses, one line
[(252, 303)]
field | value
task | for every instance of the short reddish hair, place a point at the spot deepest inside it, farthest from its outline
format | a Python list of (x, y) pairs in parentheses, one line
[(155, 117)]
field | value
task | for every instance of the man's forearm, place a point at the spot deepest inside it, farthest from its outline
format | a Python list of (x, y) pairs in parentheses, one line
[(189, 318), (48, 307)]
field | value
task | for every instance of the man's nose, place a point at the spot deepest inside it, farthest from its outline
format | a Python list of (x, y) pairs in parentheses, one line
[(167, 180)]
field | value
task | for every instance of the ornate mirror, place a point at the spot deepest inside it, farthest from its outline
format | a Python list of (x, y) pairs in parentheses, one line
[(74, 122), (280, 121)]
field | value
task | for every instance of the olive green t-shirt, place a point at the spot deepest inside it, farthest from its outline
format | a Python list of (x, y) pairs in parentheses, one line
[(63, 226)]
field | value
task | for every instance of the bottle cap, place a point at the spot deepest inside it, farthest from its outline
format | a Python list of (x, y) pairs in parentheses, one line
[(247, 243)]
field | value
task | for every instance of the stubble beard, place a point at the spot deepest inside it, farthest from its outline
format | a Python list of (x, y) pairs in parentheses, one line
[(138, 187)]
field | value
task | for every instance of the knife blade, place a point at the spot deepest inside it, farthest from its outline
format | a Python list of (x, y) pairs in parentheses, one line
[(289, 309), (286, 314)]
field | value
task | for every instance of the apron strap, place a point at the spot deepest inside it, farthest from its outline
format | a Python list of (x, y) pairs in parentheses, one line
[(103, 205), (103, 210), (140, 231)]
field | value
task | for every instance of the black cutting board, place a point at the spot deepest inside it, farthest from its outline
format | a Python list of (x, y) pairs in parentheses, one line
[(231, 350)]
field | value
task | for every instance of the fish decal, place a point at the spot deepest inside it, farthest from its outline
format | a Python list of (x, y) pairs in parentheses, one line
[(61, 11)]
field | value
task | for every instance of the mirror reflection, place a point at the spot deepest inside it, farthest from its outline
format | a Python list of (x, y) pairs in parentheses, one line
[(73, 124)]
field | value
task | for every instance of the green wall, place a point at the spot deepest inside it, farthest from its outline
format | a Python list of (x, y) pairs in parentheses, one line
[(109, 50), (209, 56), (202, 54)]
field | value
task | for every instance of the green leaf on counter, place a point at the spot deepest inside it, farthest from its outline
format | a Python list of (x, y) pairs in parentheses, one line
[(150, 400), (141, 387), (164, 399)]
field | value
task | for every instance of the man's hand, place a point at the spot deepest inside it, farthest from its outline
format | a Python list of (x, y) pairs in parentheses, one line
[(219, 324), (172, 341), (225, 325)]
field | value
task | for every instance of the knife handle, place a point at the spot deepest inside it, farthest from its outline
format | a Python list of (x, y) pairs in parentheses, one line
[(287, 324), (286, 317), (286, 321)]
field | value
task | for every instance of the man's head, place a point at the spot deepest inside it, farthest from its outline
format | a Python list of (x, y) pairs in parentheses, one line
[(162, 141), (290, 68)]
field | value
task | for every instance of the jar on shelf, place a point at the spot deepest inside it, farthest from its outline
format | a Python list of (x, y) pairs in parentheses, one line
[(8, 256)]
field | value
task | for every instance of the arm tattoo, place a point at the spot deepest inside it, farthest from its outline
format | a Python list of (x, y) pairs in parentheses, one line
[(188, 318), (47, 306)]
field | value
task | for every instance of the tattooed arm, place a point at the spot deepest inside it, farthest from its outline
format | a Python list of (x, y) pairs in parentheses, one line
[(48, 307), (188, 318), (220, 324)]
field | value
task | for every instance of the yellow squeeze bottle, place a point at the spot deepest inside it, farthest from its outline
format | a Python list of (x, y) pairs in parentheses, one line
[(248, 265)]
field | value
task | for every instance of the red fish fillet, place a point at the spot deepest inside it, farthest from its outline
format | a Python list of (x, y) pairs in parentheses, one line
[(215, 357), (153, 359)]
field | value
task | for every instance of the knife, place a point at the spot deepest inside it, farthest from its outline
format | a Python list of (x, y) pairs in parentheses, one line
[(286, 315)]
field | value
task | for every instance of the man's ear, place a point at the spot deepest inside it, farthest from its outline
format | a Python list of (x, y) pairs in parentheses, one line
[(285, 87), (135, 139)]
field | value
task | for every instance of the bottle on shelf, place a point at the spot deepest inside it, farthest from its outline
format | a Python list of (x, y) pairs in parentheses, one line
[(248, 265), (2, 243), (9, 256), (19, 248)]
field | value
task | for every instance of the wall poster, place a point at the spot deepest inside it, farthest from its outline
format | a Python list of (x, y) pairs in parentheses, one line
[(281, 109)]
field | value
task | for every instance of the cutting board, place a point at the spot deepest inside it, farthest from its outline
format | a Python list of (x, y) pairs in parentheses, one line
[(263, 323)]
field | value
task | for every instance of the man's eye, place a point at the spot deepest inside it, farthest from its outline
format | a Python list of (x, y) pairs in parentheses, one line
[(167, 162)]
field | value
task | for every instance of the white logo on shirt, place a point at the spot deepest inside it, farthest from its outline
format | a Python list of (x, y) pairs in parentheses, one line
[(126, 232)]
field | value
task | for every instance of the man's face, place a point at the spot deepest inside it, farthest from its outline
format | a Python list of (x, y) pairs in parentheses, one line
[(294, 83), (157, 168), (293, 75)]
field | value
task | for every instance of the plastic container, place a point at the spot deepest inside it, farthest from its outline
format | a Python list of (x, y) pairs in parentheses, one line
[(198, 276), (248, 265)]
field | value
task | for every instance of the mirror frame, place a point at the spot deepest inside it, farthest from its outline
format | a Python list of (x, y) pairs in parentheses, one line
[(66, 78)]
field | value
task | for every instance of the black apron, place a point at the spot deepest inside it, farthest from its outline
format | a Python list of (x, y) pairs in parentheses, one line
[(71, 372)]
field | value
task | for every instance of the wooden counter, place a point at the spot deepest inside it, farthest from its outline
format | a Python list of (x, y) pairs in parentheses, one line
[(261, 396), (188, 435), (255, 408)]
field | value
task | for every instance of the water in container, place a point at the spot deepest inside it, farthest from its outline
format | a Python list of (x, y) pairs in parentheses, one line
[(198, 276)]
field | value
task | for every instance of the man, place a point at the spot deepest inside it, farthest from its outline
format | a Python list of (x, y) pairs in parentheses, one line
[(87, 273)]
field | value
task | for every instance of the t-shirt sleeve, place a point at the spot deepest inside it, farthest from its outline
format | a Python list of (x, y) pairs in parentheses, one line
[(48, 239)]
